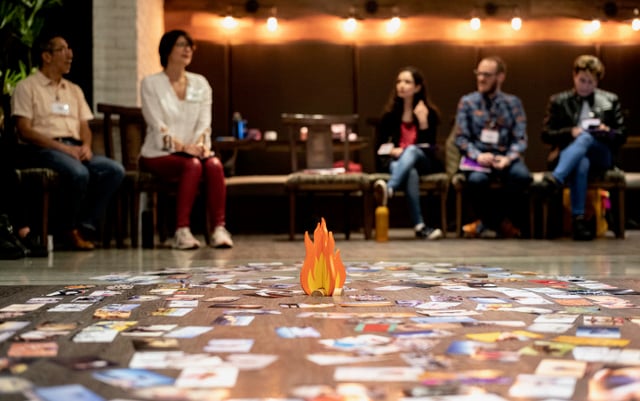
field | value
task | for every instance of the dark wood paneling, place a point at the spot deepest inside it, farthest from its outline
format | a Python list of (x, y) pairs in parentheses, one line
[(310, 77), (268, 80)]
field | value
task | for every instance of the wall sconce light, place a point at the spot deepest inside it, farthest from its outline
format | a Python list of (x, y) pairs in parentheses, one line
[(475, 23), (635, 23), (393, 25), (272, 21), (350, 24), (592, 26), (516, 21), (229, 22)]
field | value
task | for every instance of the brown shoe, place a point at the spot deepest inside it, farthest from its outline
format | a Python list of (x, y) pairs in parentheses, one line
[(78, 243)]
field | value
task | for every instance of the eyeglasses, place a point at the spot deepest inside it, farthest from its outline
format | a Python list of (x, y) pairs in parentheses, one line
[(185, 44), (59, 49), (484, 74)]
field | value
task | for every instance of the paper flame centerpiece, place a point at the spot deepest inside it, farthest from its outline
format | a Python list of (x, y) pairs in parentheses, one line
[(322, 272)]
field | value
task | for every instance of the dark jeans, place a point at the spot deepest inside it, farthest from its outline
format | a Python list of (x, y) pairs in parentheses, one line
[(491, 208), (86, 186)]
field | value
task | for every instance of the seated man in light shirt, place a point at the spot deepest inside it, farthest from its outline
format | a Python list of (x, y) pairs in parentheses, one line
[(52, 118)]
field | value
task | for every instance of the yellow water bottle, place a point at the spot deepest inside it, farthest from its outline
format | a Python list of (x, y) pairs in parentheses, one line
[(382, 224)]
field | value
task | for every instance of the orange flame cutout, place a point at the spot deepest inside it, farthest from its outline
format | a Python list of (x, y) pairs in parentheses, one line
[(322, 271)]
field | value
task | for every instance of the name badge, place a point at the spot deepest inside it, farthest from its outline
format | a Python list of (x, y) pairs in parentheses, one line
[(194, 94), (489, 136), (60, 108), (590, 123)]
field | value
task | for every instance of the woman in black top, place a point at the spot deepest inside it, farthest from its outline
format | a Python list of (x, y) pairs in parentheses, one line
[(407, 135)]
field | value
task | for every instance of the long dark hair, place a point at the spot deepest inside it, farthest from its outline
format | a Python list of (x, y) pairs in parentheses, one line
[(395, 104)]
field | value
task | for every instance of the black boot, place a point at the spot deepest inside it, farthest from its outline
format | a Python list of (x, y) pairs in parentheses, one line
[(581, 231), (10, 246)]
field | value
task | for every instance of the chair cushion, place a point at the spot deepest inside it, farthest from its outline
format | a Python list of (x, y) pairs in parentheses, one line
[(41, 177), (337, 182)]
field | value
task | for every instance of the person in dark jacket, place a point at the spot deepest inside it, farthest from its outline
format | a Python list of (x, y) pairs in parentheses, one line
[(585, 127), (406, 138)]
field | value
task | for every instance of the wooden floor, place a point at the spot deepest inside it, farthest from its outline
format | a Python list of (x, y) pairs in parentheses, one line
[(604, 257)]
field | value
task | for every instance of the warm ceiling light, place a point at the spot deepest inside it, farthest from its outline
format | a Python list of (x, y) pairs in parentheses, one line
[(516, 23), (229, 22), (635, 23), (475, 23), (592, 26), (350, 25), (272, 22), (393, 25)]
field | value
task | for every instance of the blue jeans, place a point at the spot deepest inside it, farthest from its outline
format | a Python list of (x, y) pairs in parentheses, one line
[(574, 163), (86, 186), (491, 210), (405, 175)]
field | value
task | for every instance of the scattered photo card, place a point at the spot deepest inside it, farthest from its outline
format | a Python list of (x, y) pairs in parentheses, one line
[(75, 392), (229, 345), (233, 320), (561, 367), (13, 325), (33, 350), (206, 377), (14, 384), (44, 300), (297, 332), (377, 374), (175, 312), (154, 330), (546, 348), (598, 332), (21, 307), (188, 331), (535, 386), (251, 361), (132, 378), (78, 307)]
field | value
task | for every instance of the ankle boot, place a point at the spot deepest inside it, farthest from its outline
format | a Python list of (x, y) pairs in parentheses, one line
[(581, 231)]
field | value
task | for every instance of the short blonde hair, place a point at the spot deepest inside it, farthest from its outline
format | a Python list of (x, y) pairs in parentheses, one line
[(590, 64)]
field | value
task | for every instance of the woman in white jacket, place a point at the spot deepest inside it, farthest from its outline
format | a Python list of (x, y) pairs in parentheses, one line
[(176, 105)]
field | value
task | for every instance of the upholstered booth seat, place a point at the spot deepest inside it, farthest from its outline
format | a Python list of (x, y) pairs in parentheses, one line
[(345, 184)]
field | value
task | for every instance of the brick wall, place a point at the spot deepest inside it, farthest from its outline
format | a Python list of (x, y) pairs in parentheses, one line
[(126, 34)]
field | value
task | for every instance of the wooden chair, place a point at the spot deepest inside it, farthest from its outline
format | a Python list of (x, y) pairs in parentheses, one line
[(459, 183), (131, 133), (38, 183), (319, 150), (612, 180)]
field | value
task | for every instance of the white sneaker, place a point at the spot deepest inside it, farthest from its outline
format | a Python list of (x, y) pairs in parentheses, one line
[(221, 238), (183, 239)]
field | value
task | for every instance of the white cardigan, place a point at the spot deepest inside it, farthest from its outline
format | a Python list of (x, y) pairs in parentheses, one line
[(188, 120)]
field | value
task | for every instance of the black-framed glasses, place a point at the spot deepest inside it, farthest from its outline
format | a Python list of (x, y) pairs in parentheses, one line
[(484, 74), (59, 49), (181, 45)]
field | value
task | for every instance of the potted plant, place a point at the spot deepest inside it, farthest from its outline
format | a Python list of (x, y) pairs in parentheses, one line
[(20, 24)]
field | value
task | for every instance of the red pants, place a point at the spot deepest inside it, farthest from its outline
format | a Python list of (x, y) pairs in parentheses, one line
[(188, 172)]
